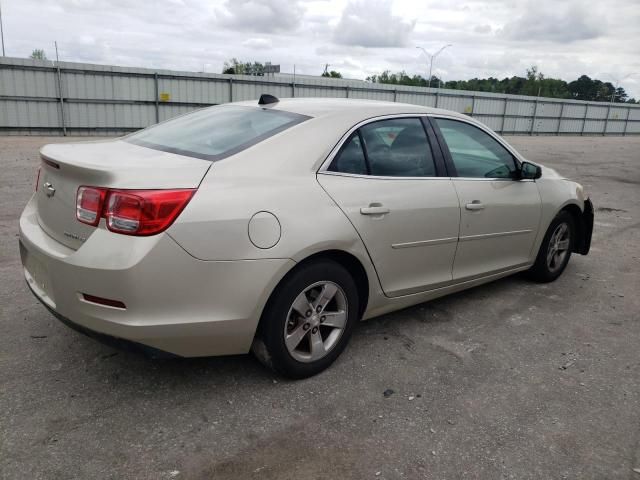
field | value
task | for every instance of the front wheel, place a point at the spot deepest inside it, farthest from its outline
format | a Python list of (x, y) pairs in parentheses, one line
[(555, 250), (309, 320)]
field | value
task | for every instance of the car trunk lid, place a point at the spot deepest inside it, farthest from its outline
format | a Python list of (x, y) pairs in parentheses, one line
[(109, 164)]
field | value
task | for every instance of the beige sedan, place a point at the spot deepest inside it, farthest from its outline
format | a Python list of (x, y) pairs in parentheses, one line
[(275, 226)]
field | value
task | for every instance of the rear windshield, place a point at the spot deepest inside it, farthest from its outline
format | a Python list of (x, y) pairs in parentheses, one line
[(217, 132)]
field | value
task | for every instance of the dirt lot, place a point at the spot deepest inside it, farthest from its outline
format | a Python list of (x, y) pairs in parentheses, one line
[(508, 380)]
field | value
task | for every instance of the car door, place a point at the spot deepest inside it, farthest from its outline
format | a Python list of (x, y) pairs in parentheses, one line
[(500, 214), (393, 188)]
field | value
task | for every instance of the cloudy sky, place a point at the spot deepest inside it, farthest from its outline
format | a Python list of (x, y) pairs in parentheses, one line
[(564, 38)]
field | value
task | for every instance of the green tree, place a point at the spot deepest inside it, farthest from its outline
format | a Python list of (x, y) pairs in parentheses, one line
[(236, 67), (620, 96), (585, 88), (38, 54), (533, 84), (331, 74), (400, 78), (232, 66), (436, 82)]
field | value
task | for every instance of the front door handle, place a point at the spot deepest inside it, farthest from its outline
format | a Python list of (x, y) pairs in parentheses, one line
[(374, 209), (475, 205)]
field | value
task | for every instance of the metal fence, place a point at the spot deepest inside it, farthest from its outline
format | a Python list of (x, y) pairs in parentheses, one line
[(42, 97)]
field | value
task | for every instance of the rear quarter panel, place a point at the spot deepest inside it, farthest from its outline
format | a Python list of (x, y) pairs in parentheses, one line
[(276, 176)]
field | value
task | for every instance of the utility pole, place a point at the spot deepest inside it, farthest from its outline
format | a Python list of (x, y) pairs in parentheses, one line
[(1, 31), (432, 58)]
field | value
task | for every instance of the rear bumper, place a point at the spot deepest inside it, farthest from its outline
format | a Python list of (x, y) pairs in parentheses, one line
[(174, 302), (115, 342)]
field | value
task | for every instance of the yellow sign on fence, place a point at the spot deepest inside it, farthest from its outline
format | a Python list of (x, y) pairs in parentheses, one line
[(165, 96)]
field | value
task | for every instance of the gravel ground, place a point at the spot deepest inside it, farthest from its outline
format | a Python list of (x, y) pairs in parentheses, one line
[(507, 380)]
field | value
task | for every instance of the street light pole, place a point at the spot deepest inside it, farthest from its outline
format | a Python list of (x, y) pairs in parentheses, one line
[(1, 31), (432, 58)]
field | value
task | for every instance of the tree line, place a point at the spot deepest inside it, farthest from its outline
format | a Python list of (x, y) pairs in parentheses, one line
[(238, 67), (533, 84)]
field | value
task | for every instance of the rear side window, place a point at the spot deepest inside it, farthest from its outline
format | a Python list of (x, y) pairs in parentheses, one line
[(217, 132), (351, 158), (387, 148), (398, 148)]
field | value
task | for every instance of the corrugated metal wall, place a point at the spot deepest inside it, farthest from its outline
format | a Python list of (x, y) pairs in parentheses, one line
[(42, 97)]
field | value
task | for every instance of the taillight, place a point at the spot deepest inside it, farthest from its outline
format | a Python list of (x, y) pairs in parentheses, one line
[(132, 212), (37, 178), (89, 204)]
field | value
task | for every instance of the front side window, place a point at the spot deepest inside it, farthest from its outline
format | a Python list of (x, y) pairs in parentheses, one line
[(475, 153), (217, 132)]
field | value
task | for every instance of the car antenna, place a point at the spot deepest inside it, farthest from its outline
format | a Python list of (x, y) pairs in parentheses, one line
[(266, 99)]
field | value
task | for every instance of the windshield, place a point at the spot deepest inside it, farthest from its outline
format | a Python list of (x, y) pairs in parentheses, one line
[(217, 132)]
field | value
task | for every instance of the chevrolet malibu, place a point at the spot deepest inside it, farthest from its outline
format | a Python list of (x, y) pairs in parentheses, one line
[(274, 226)]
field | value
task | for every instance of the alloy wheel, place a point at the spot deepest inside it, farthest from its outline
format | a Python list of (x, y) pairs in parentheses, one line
[(315, 321), (559, 244)]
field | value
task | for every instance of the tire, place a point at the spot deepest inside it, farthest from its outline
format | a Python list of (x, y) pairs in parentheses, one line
[(545, 269), (289, 315)]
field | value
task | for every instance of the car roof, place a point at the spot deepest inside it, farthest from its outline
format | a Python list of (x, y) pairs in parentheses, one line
[(330, 107)]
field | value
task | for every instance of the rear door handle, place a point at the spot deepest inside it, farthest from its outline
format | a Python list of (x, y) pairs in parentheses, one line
[(374, 209), (475, 205)]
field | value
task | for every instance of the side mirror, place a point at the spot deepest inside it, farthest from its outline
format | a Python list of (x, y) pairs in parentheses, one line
[(529, 171)]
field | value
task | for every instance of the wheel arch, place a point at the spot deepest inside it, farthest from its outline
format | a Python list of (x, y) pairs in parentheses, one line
[(349, 261), (583, 220), (354, 266), (581, 225)]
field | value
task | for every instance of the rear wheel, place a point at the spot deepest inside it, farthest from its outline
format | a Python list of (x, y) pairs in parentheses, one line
[(309, 320), (555, 250)]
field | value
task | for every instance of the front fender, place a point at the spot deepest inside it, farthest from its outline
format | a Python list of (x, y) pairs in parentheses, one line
[(556, 194)]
